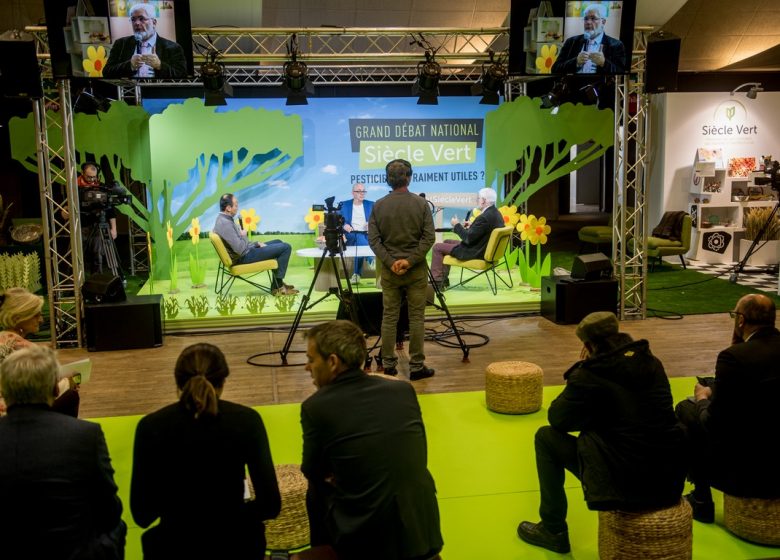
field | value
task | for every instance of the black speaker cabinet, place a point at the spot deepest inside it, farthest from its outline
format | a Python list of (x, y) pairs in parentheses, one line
[(592, 266), (20, 75), (661, 62), (103, 288), (369, 309), (566, 301), (134, 323)]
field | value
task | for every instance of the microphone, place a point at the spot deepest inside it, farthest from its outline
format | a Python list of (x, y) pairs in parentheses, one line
[(138, 47), (468, 215), (240, 223), (422, 195)]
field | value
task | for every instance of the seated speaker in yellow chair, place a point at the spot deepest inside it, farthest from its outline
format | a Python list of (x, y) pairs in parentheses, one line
[(474, 237), (244, 252)]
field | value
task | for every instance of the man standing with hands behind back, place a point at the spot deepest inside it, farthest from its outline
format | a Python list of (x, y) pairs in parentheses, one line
[(400, 233), (145, 54)]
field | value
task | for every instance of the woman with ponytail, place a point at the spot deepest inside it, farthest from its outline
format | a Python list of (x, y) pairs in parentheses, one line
[(189, 465)]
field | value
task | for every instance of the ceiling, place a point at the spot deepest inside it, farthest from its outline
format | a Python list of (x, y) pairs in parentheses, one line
[(715, 33)]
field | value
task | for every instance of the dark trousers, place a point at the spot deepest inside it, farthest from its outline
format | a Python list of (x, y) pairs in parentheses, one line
[(700, 460), (438, 269), (274, 249), (556, 453)]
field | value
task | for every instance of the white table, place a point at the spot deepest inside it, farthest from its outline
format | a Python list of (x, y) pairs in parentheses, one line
[(327, 279)]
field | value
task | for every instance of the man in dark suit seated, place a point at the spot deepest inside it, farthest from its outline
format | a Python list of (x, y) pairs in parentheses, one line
[(473, 238), (356, 213), (731, 421), (57, 492), (364, 453), (593, 52), (145, 54), (629, 454)]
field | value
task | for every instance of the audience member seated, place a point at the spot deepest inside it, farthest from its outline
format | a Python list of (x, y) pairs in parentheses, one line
[(356, 213), (244, 252), (57, 492), (731, 421), (474, 237), (189, 467), (364, 453), (20, 317), (629, 453)]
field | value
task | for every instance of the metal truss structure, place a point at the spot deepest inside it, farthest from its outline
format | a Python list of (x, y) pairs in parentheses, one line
[(61, 220), (629, 230)]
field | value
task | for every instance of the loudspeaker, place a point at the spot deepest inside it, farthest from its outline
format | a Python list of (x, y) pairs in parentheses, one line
[(591, 267), (661, 62), (567, 302), (20, 75), (103, 288), (134, 323), (369, 309)]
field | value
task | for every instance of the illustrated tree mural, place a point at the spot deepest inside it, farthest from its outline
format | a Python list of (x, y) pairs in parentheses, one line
[(521, 136)]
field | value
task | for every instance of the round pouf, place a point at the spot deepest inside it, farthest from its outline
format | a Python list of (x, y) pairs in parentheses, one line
[(664, 533), (513, 387), (754, 519), (290, 530)]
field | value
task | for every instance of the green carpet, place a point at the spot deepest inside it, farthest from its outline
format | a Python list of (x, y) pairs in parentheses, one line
[(483, 464)]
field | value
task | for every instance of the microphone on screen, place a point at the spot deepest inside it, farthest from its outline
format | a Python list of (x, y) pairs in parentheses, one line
[(240, 223), (468, 215)]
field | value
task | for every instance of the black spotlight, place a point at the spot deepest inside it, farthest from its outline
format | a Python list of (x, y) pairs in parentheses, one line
[(215, 87), (492, 81), (557, 96), (90, 103), (427, 84), (296, 76)]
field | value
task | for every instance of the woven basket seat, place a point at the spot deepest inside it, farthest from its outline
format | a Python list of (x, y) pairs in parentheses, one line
[(665, 533), (754, 519), (290, 530), (513, 387)]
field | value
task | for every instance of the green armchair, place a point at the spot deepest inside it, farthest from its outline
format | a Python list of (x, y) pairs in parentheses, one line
[(657, 247)]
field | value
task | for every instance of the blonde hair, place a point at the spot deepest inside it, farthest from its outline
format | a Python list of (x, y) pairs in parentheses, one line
[(18, 305)]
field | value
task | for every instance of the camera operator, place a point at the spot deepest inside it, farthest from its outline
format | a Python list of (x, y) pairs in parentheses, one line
[(92, 216)]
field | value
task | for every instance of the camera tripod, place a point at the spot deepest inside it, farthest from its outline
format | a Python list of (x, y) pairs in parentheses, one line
[(101, 245), (734, 276)]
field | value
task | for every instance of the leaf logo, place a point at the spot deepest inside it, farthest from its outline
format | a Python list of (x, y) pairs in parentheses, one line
[(730, 112)]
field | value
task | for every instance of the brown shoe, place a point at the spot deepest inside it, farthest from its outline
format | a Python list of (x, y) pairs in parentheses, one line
[(284, 291), (288, 286)]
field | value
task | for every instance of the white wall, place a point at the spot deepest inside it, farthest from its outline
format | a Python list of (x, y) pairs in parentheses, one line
[(678, 121)]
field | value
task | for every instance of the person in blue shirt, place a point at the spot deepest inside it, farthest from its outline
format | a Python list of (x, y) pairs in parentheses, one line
[(356, 213)]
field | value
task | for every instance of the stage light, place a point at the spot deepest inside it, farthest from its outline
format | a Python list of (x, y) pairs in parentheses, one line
[(492, 81), (427, 84), (752, 93), (296, 76), (89, 103), (212, 73), (556, 96)]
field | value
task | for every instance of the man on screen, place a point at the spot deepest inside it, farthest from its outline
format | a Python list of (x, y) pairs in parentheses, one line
[(593, 52), (145, 54)]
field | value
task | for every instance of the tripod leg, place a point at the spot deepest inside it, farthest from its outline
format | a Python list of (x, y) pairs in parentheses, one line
[(443, 306)]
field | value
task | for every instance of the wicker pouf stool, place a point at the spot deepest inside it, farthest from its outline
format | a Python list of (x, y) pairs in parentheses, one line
[(754, 519), (664, 533), (290, 530), (513, 387)]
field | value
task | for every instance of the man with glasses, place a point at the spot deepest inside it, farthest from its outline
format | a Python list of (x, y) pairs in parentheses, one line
[(593, 52), (731, 420), (356, 213), (145, 54)]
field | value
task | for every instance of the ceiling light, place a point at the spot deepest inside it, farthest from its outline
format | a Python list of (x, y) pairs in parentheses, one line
[(752, 93), (296, 76), (427, 84), (492, 82), (212, 73)]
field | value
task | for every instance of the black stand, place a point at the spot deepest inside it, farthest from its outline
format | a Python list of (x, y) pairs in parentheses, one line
[(442, 306), (343, 294), (100, 241), (734, 276)]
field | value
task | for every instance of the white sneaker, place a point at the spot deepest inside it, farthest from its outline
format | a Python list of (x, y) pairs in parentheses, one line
[(355, 279)]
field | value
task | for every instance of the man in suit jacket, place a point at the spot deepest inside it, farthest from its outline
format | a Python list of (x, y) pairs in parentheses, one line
[(356, 213), (145, 54), (593, 52), (364, 453), (473, 238), (732, 422), (57, 492)]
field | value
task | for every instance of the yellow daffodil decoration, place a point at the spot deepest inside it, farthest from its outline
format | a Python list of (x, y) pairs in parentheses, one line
[(314, 218), (95, 62), (547, 57), (539, 232), (250, 219), (169, 234), (195, 231), (525, 226), (510, 215), (475, 212)]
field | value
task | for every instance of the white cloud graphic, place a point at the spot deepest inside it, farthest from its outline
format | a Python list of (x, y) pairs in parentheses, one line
[(279, 184), (330, 169), (283, 204)]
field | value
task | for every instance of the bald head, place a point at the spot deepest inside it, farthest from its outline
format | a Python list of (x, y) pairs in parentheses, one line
[(757, 309)]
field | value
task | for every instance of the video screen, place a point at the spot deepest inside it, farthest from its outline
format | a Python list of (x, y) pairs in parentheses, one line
[(571, 37), (119, 39)]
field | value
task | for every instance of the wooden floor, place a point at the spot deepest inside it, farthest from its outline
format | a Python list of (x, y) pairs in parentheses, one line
[(140, 381)]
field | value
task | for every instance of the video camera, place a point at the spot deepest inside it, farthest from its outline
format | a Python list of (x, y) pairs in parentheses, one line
[(771, 172), (102, 197), (334, 225)]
